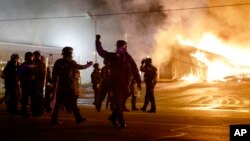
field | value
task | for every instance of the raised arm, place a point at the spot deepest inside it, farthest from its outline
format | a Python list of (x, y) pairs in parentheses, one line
[(103, 53)]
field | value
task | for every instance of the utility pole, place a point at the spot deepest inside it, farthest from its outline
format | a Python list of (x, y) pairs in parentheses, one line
[(94, 36)]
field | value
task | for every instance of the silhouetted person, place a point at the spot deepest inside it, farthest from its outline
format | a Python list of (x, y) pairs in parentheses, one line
[(48, 88), (27, 74), (12, 84), (48, 91), (122, 66), (105, 85), (37, 106), (62, 80), (150, 74), (96, 80)]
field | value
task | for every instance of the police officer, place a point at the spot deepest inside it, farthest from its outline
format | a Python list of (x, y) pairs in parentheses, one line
[(37, 107), (105, 85), (27, 74), (62, 80), (150, 73), (96, 80), (122, 66), (11, 82)]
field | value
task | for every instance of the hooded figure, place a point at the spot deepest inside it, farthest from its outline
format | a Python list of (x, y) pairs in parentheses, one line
[(122, 67)]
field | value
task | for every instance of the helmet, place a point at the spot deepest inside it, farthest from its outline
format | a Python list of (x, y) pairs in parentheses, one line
[(120, 43), (96, 66), (14, 56), (28, 56), (37, 53), (67, 51), (148, 60)]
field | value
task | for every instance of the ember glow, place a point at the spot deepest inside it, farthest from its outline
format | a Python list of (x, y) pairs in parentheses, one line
[(233, 62)]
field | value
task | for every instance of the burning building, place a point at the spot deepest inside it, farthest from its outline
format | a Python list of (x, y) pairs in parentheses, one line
[(192, 62), (184, 63)]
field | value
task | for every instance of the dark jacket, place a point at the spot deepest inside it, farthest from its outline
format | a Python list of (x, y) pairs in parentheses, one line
[(62, 75), (150, 73), (96, 77)]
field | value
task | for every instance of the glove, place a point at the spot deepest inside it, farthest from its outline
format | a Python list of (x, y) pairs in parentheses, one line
[(89, 63)]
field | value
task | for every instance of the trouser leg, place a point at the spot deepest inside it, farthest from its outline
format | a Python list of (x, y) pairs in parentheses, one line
[(55, 111)]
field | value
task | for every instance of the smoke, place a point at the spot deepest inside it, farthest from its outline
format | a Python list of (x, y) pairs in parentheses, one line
[(137, 29), (134, 22), (148, 29), (32, 22), (227, 23)]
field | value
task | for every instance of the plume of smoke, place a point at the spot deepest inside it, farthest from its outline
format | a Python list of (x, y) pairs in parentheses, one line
[(186, 23), (137, 28), (224, 22), (228, 23)]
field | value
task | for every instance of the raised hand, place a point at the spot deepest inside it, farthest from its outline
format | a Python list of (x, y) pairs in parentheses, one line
[(98, 37)]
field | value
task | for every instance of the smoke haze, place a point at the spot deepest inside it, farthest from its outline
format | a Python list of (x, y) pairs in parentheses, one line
[(149, 26), (227, 23)]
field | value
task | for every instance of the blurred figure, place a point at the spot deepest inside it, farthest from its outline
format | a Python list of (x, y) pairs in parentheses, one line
[(48, 88), (150, 74), (48, 91), (37, 98), (12, 84), (62, 81), (122, 66), (105, 86), (96, 80), (27, 74)]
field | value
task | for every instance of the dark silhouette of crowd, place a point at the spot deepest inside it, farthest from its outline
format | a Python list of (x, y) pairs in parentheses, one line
[(38, 89)]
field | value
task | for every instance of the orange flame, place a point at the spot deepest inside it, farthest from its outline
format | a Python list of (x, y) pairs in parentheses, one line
[(235, 62)]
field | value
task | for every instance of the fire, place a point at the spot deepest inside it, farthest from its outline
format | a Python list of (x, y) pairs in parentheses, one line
[(190, 77), (233, 62)]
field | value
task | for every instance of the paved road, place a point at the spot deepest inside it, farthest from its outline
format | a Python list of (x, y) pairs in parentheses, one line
[(184, 112)]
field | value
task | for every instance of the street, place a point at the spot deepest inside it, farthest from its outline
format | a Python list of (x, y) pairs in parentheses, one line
[(185, 112)]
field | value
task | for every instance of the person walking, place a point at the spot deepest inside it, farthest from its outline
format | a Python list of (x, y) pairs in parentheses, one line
[(105, 86), (122, 66), (62, 80), (12, 84), (37, 107), (96, 80), (150, 74), (27, 74)]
